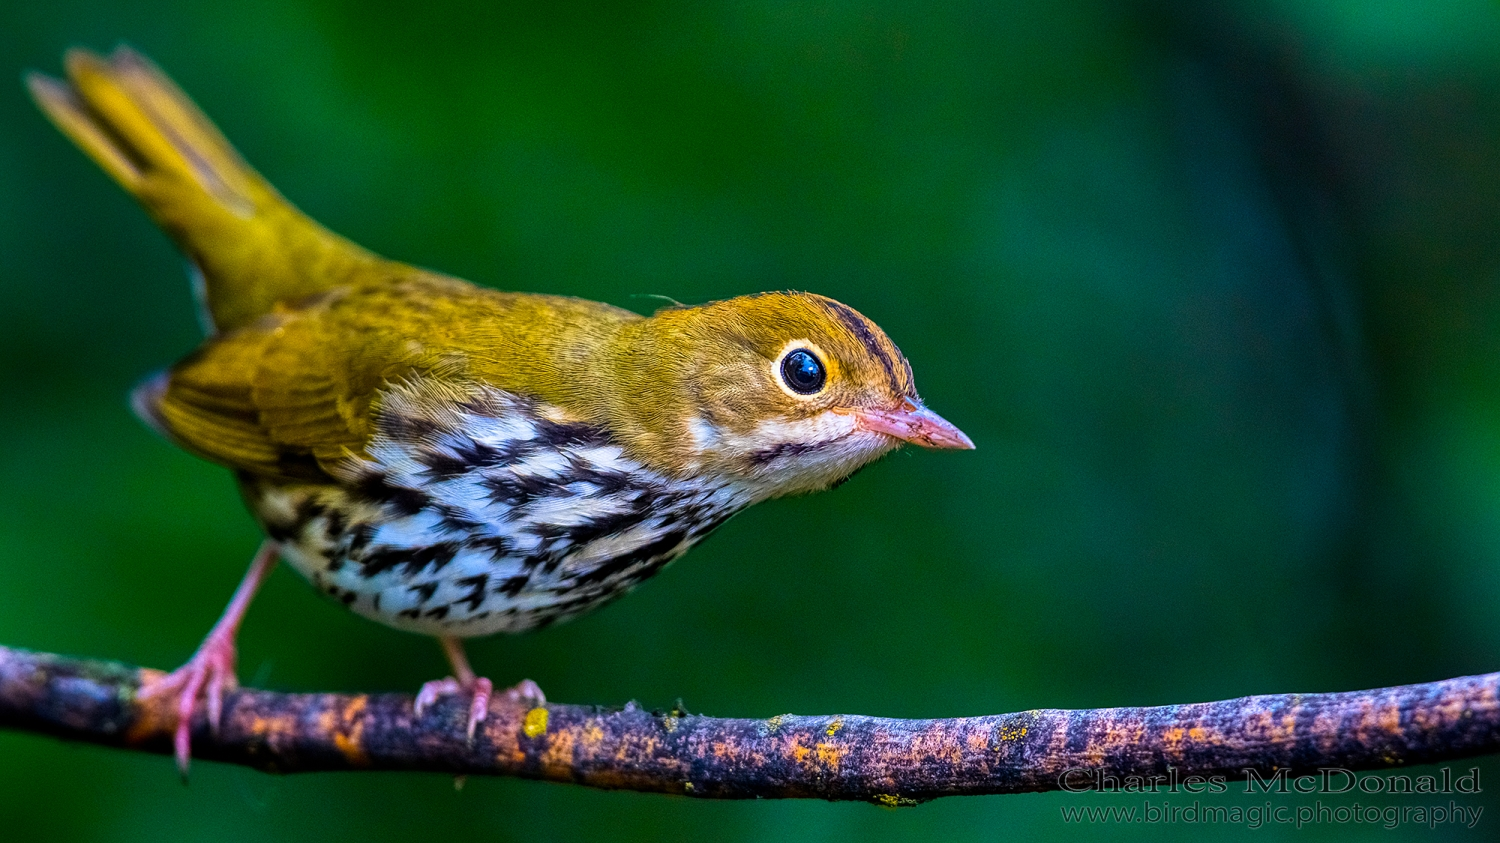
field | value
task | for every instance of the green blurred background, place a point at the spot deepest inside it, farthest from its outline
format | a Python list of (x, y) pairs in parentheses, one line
[(1215, 287)]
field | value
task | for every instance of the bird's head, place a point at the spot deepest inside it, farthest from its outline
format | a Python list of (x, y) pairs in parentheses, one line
[(786, 392)]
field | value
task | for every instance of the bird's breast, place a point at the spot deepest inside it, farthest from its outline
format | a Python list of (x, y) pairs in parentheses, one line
[(497, 513)]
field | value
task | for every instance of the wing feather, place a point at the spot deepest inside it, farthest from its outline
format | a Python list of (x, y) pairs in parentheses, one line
[(264, 399), (294, 393)]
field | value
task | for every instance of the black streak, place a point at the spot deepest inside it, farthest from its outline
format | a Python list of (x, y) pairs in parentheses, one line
[(765, 456), (375, 486), (512, 585), (629, 560), (438, 555), (471, 455), (561, 434), (476, 585)]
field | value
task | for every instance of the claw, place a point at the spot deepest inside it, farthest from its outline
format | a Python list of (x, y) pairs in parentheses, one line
[(526, 692), (216, 685), (212, 667), (479, 707), (432, 690)]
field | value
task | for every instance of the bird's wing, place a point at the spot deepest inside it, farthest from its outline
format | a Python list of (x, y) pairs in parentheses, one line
[(296, 392), (291, 394)]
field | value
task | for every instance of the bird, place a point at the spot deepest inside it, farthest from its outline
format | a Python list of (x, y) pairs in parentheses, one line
[(449, 459)]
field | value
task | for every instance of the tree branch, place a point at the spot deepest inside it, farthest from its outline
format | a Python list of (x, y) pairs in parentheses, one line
[(893, 762)]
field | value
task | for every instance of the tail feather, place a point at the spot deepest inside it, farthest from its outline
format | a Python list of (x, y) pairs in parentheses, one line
[(182, 129), (253, 248), (63, 105)]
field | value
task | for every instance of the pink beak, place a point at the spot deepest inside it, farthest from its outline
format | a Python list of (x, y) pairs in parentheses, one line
[(915, 424)]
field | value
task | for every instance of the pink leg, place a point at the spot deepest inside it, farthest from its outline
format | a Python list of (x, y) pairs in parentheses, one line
[(463, 679), (211, 669)]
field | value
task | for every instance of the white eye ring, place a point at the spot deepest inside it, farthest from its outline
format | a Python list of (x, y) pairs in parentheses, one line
[(780, 374)]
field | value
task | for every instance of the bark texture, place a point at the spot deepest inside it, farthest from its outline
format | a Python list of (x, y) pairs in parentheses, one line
[(876, 759)]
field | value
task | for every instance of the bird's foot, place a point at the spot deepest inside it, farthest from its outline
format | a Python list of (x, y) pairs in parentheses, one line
[(524, 692), (527, 693), (210, 672)]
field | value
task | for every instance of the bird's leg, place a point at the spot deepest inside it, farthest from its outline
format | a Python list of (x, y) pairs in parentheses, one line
[(211, 669), (463, 679)]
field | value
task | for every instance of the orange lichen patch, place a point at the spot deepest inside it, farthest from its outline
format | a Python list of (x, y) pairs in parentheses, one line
[(887, 762), (635, 746), (638, 751), (1284, 730), (1115, 735), (1257, 723), (329, 721), (1265, 725), (1364, 722), (1389, 719), (821, 757), (1325, 730), (502, 729), (1176, 741), (277, 730), (348, 736), (147, 675), (738, 753), (935, 744), (591, 737), (799, 750), (1451, 710), (830, 755), (557, 760), (155, 716), (535, 723)]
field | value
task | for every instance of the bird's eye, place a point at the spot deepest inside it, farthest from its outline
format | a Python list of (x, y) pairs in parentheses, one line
[(803, 372)]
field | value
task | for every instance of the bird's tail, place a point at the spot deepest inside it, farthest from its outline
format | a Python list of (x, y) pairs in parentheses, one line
[(252, 247)]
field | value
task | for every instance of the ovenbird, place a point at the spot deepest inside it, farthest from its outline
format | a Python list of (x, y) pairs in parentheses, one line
[(449, 459)]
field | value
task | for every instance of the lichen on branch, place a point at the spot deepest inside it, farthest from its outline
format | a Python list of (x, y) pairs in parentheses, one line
[(843, 757)]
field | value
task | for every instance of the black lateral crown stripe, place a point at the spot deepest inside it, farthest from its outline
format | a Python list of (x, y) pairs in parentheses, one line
[(860, 327)]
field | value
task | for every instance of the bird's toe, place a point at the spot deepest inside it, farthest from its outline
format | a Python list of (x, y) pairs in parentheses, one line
[(525, 692), (209, 672), (431, 691)]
